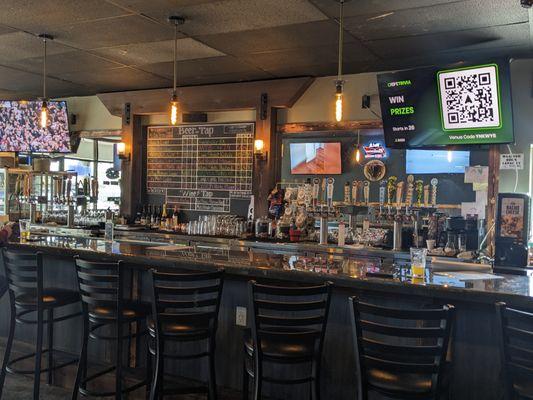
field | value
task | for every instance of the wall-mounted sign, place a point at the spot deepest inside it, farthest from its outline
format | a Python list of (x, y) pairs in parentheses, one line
[(512, 161), (454, 105), (375, 149)]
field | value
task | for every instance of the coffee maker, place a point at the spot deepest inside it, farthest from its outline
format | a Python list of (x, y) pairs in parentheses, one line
[(512, 230)]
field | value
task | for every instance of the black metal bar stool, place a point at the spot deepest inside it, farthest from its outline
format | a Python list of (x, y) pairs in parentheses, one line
[(24, 274), (185, 310), (401, 353), (105, 308), (288, 328), (516, 344)]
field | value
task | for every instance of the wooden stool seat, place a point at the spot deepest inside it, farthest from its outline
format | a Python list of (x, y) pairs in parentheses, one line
[(131, 310)]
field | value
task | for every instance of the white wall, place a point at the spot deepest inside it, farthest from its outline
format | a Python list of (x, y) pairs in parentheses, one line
[(318, 102), (91, 114)]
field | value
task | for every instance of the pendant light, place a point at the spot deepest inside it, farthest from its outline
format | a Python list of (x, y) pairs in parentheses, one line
[(43, 121), (174, 102), (339, 83)]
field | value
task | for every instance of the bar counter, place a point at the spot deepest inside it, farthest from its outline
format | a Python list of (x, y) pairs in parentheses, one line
[(371, 275)]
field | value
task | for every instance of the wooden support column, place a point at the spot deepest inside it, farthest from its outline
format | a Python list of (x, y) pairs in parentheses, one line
[(492, 194), (132, 169), (266, 172)]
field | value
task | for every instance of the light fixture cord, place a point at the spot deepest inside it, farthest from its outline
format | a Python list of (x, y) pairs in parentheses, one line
[(341, 38), (44, 70), (175, 56)]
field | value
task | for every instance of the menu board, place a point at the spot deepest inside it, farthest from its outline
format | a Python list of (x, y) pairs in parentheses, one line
[(201, 167), (439, 106)]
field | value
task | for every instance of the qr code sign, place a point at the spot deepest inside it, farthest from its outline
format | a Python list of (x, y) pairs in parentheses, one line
[(469, 98)]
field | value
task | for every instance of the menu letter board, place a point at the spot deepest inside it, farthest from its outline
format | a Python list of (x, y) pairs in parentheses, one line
[(466, 104), (201, 167)]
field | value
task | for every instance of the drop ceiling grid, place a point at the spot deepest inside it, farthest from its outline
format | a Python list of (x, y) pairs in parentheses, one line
[(108, 45)]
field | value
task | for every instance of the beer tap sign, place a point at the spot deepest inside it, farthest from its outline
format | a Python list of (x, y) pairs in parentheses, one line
[(434, 183), (426, 195), (316, 191), (399, 194), (391, 188), (355, 188), (347, 192), (366, 191), (410, 188), (382, 189), (419, 186), (329, 191)]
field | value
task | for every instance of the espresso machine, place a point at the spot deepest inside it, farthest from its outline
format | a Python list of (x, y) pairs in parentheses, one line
[(512, 230)]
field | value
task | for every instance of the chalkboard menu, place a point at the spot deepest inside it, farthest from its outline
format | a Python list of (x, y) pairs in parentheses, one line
[(201, 167)]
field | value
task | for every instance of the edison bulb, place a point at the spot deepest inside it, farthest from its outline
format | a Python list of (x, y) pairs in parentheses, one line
[(338, 107), (358, 155), (44, 115), (174, 112)]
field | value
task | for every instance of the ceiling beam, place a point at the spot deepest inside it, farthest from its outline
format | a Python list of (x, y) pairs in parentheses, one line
[(282, 93), (305, 127)]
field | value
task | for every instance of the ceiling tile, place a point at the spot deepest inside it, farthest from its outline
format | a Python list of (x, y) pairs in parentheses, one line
[(156, 52), (118, 79), (113, 32), (228, 78), (6, 29), (374, 7), (318, 33), (425, 45), (166, 7), (242, 15), (440, 18), (201, 68), (273, 60), (66, 62), (20, 45), (47, 15)]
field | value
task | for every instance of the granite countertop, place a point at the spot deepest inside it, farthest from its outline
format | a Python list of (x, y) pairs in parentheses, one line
[(345, 271)]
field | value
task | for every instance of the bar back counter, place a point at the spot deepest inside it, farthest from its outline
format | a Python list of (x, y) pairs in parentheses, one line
[(374, 276)]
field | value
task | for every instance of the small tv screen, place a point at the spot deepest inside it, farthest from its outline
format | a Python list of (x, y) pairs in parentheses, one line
[(315, 158), (20, 129), (436, 161)]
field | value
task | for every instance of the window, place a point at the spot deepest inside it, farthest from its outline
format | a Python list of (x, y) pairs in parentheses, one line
[(95, 158)]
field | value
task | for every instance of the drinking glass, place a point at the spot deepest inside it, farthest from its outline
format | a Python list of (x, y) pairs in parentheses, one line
[(418, 262), (24, 225)]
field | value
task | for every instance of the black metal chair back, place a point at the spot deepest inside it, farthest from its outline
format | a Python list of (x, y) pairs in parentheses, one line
[(187, 300), (401, 353), (516, 344), (24, 274), (100, 286), (288, 327), (185, 308)]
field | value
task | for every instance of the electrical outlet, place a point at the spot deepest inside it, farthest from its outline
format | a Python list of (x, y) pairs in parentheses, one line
[(240, 316)]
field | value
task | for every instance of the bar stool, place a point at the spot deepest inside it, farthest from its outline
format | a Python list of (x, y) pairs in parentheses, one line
[(516, 346), (24, 274), (288, 328), (105, 308), (185, 309), (401, 353)]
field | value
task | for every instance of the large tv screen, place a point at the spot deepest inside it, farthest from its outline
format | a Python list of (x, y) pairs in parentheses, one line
[(436, 161), (315, 158), (467, 103), (20, 128)]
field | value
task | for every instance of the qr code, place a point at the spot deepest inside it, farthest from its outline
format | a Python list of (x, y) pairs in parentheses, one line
[(469, 98)]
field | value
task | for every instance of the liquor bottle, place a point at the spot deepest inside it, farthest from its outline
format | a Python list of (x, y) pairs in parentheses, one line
[(164, 217), (157, 217), (152, 216), (175, 220), (137, 220), (143, 216)]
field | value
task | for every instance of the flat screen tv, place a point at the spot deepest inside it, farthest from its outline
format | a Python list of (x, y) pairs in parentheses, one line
[(462, 104), (436, 161), (315, 158), (20, 129)]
